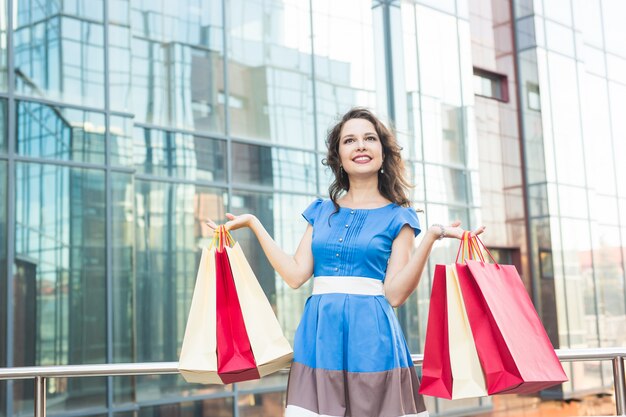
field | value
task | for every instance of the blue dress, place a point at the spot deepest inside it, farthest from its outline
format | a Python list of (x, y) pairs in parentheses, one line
[(350, 355)]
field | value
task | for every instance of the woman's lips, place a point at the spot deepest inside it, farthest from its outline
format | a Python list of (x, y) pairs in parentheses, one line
[(361, 160)]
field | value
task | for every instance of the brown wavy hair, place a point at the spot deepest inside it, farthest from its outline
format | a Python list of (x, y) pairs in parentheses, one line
[(392, 184)]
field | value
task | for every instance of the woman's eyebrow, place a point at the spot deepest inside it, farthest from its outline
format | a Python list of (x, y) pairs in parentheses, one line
[(351, 135)]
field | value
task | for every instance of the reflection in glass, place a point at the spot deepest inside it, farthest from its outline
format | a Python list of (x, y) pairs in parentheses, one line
[(169, 232), (45, 131), (346, 71), (262, 404), (163, 153), (270, 71), (3, 390), (3, 126), (607, 265), (446, 185), (123, 264), (3, 54), (3, 279), (282, 169), (59, 53), (568, 144), (3, 266), (175, 66), (442, 125), (218, 407), (64, 392), (120, 60), (121, 140), (60, 276)]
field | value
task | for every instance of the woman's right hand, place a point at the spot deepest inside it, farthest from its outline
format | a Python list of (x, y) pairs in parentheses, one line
[(234, 223)]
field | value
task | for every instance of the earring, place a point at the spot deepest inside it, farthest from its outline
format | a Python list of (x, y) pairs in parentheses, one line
[(382, 171), (341, 170)]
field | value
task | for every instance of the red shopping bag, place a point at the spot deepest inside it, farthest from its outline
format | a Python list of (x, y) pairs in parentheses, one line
[(436, 369), (235, 359), (514, 350)]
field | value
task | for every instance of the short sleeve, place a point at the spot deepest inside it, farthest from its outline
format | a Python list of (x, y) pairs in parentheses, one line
[(311, 212), (407, 215)]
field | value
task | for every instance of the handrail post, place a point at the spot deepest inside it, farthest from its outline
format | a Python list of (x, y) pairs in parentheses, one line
[(40, 396), (620, 388)]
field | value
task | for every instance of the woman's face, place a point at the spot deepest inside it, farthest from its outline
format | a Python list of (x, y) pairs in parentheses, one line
[(360, 149)]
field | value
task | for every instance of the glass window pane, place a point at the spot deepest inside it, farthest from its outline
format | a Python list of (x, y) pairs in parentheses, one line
[(348, 65), (617, 96), (60, 289), (45, 131), (218, 407), (64, 396), (269, 67), (282, 169), (438, 55), (418, 180), (120, 58), (447, 6), (446, 185), (613, 16), (3, 50), (443, 125), (176, 65), (607, 265), (3, 388), (59, 56), (3, 266), (121, 140), (163, 153), (262, 404), (123, 264), (3, 126), (169, 232), (560, 38)]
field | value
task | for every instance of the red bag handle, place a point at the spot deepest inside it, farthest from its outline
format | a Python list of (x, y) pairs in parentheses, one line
[(219, 236), (475, 240), (463, 246)]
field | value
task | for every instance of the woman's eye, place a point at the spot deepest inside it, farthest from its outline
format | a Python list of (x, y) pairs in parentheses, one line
[(348, 140), (371, 137)]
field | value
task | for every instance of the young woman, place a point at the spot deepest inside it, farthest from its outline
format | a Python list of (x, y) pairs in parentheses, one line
[(350, 355)]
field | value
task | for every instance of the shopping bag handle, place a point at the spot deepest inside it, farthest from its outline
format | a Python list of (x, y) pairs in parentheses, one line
[(468, 249), (219, 236), (475, 241)]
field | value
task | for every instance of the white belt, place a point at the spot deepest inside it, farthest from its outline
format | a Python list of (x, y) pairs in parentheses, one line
[(347, 285)]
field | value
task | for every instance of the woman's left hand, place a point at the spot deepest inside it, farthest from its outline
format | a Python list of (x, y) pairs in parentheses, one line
[(455, 230)]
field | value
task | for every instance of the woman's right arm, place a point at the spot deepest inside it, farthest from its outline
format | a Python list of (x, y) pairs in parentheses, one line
[(296, 269)]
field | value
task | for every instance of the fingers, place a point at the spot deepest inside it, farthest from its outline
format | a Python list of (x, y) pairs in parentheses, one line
[(214, 225), (211, 224), (479, 230), (455, 223)]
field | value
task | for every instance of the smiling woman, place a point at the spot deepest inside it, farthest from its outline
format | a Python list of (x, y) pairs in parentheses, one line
[(350, 355)]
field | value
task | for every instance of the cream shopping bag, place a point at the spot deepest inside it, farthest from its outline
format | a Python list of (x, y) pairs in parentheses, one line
[(468, 379), (198, 355), (271, 349)]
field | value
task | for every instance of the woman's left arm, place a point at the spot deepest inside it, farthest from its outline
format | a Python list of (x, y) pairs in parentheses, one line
[(405, 268)]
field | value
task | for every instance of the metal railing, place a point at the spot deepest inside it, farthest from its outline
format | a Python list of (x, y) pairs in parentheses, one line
[(40, 374)]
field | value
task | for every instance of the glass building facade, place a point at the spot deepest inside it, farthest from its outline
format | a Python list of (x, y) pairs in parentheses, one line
[(124, 124)]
